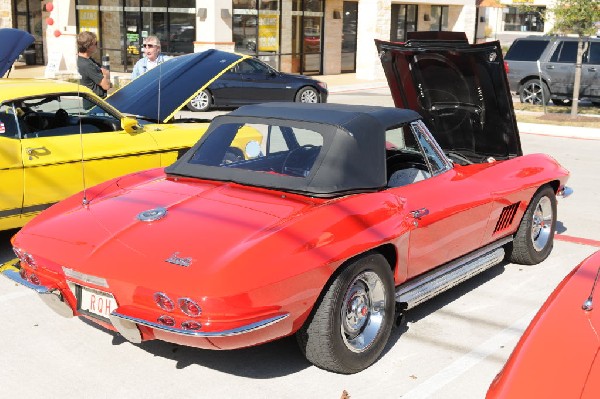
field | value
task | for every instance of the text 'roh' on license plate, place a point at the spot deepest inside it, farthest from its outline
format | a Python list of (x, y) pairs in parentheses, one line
[(97, 302)]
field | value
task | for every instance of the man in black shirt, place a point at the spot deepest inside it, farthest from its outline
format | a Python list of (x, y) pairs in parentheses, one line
[(92, 74)]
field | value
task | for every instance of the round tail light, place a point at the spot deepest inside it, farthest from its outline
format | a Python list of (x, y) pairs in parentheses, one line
[(164, 302), (166, 320), (28, 258), (189, 307), (34, 279), (191, 325)]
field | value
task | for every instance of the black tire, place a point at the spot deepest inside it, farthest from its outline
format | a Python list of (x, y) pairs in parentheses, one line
[(308, 95), (532, 92), (535, 237), (596, 103), (202, 102), (562, 101), (331, 336)]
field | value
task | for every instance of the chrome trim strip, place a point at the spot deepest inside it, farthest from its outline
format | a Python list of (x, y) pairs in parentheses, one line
[(451, 274), (227, 333), (86, 278)]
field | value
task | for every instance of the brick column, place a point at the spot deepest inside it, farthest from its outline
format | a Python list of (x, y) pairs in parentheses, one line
[(373, 23), (213, 25)]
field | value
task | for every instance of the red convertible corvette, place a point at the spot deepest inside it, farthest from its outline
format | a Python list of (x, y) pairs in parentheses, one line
[(557, 356), (336, 220)]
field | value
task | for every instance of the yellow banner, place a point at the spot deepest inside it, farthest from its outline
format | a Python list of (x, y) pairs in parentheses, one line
[(88, 20), (268, 28)]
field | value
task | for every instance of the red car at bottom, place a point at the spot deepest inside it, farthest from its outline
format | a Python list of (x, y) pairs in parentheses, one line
[(558, 356)]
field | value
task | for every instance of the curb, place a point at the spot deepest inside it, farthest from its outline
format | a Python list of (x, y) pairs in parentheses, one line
[(584, 133)]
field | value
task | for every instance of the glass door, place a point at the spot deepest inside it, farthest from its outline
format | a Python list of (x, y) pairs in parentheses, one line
[(349, 26)]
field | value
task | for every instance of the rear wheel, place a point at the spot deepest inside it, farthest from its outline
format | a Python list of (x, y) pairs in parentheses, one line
[(201, 102), (535, 236), (534, 92), (308, 95), (351, 324)]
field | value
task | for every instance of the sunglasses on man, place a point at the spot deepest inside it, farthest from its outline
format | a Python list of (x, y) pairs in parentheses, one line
[(148, 45)]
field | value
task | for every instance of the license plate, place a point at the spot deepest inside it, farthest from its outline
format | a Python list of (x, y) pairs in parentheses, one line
[(95, 302)]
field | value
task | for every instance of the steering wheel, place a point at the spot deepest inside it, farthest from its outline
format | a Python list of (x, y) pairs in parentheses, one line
[(299, 161), (33, 121)]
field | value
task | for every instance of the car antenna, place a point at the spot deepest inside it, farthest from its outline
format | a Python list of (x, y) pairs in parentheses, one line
[(84, 201), (588, 305)]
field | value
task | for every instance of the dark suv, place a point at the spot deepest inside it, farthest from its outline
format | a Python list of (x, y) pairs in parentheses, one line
[(557, 57)]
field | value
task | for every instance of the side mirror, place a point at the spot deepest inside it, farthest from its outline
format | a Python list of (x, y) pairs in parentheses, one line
[(130, 125)]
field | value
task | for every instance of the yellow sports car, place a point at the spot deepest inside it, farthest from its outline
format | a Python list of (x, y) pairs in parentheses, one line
[(57, 138)]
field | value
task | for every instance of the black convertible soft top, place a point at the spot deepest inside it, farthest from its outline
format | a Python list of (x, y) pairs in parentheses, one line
[(352, 158)]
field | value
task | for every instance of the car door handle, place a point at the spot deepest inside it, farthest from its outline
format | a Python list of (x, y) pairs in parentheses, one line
[(419, 213), (592, 69), (549, 66), (30, 151)]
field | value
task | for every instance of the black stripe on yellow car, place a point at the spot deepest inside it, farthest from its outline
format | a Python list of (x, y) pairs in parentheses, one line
[(180, 152), (28, 209)]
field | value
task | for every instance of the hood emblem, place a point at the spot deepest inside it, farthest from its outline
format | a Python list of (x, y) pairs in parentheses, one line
[(176, 260), (152, 215)]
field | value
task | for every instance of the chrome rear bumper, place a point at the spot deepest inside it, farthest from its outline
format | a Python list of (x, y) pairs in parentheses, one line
[(127, 327)]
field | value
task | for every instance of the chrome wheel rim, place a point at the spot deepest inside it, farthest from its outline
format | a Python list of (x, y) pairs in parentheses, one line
[(200, 101), (541, 228), (532, 93), (363, 311), (309, 96)]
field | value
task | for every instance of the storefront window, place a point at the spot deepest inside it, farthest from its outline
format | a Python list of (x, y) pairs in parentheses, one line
[(439, 18), (172, 21), (349, 26), (404, 19), (29, 18), (245, 26), (520, 20)]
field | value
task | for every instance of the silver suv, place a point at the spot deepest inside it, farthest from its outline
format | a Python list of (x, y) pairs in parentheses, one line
[(557, 57)]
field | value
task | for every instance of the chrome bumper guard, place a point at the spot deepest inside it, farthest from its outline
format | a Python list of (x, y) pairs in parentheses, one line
[(51, 297), (564, 191), (127, 327)]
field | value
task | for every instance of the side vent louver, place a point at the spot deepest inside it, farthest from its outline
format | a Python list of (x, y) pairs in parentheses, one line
[(506, 217)]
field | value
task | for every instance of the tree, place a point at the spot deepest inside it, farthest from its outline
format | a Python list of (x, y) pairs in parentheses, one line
[(576, 17)]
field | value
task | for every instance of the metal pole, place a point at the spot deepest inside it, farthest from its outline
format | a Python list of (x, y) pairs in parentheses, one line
[(541, 84)]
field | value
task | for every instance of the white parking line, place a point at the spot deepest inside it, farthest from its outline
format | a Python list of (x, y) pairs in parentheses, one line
[(14, 295), (460, 366)]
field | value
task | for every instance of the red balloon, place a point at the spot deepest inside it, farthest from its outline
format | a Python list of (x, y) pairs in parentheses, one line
[(49, 21), (57, 33), (49, 7)]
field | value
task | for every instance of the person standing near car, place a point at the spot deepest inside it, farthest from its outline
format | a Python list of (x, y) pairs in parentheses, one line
[(92, 74), (152, 57)]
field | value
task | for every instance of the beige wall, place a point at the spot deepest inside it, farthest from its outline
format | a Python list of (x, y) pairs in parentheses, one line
[(5, 14)]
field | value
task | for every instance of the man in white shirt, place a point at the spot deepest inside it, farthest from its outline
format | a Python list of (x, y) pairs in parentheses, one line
[(152, 57)]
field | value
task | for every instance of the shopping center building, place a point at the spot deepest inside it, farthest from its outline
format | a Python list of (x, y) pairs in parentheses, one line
[(311, 37)]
